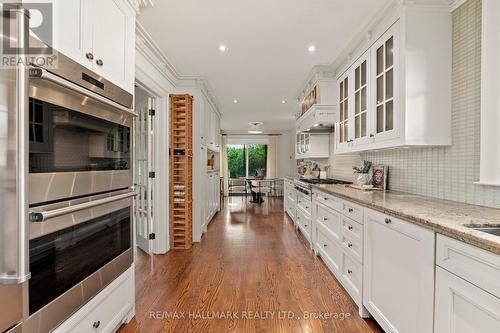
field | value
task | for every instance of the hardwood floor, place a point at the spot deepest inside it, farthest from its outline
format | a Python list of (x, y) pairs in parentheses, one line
[(249, 260)]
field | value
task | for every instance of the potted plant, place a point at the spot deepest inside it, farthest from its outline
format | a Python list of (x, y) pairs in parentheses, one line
[(362, 174)]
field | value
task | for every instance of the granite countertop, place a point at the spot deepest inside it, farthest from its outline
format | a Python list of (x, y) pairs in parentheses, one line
[(442, 216)]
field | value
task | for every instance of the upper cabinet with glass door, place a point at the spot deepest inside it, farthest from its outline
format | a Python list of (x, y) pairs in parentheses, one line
[(385, 54), (397, 91)]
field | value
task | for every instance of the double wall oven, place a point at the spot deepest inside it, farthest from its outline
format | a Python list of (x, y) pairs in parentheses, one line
[(73, 190)]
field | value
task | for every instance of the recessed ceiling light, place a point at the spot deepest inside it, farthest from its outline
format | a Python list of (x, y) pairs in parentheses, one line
[(283, 102), (255, 123), (235, 101), (254, 132), (222, 48), (311, 48)]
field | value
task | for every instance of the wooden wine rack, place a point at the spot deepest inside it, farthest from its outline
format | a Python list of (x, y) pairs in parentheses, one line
[(181, 171)]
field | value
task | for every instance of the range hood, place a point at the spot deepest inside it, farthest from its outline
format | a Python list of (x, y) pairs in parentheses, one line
[(319, 118)]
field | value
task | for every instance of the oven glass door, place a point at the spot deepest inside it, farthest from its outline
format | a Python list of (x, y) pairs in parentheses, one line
[(61, 260), (64, 140)]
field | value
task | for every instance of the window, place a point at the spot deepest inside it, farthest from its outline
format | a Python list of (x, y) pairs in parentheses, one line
[(246, 160)]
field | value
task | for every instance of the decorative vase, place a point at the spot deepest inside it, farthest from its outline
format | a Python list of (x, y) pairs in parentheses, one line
[(362, 179)]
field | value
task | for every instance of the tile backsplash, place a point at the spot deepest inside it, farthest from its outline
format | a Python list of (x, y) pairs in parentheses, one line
[(450, 172)]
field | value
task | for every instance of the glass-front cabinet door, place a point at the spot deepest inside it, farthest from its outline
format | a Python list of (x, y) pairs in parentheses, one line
[(362, 129), (343, 132), (385, 69)]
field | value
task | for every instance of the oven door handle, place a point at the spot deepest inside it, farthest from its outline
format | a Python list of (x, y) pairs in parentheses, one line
[(46, 215), (40, 73)]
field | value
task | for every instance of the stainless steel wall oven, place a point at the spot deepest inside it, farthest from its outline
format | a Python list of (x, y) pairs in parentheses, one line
[(80, 189)]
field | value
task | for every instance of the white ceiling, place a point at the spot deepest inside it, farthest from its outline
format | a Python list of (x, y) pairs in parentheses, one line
[(267, 58)]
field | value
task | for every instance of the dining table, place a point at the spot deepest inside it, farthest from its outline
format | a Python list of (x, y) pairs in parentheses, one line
[(258, 184)]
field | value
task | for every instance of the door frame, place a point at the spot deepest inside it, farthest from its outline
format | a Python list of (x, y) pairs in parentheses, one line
[(161, 243)]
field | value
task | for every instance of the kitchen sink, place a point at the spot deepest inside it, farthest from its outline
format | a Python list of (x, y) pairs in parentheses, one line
[(490, 229)]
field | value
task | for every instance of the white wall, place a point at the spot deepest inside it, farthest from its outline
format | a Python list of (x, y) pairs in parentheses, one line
[(286, 154)]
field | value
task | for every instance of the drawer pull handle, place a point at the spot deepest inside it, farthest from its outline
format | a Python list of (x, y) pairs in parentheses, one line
[(349, 271), (349, 245), (89, 56), (325, 245), (305, 225), (325, 218), (349, 227), (350, 210), (96, 324), (388, 220), (307, 207), (99, 62), (325, 199)]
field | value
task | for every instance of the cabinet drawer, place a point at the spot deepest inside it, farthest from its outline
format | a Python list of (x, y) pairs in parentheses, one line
[(304, 204), (352, 238), (479, 267), (460, 306), (352, 229), (353, 247), (329, 201), (353, 211), (330, 219), (304, 222), (106, 311), (329, 250), (352, 275)]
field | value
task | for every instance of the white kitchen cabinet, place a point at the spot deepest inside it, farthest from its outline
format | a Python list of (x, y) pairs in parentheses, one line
[(312, 145), (467, 290), (99, 35), (338, 240), (114, 42), (105, 313), (72, 36), (398, 276), (211, 128), (397, 90), (461, 307), (290, 199)]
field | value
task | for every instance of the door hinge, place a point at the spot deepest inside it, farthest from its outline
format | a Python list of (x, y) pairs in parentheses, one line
[(152, 174), (152, 236), (152, 112)]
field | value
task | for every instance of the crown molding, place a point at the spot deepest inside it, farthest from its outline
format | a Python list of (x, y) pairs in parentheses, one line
[(456, 3), (139, 4), (146, 46), (317, 73)]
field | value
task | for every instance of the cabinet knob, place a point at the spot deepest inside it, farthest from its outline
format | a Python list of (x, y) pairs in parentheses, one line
[(325, 218), (89, 56), (349, 227), (96, 324), (349, 271), (305, 225), (349, 245), (307, 207), (372, 135), (350, 210), (388, 220), (99, 62), (325, 245), (325, 199)]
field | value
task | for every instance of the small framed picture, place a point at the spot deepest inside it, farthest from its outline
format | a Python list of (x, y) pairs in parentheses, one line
[(379, 178)]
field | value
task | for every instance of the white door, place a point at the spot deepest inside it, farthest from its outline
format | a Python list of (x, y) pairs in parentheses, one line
[(461, 307), (143, 174)]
